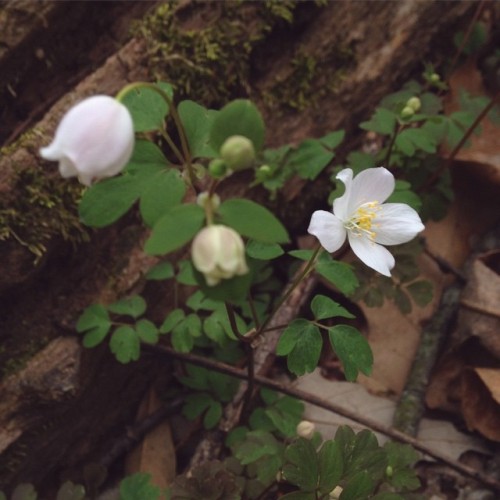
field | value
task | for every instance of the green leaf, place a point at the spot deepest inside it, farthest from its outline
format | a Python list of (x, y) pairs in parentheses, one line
[(402, 301), (358, 487), (383, 122), (138, 487), (301, 342), (214, 330), (239, 117), (299, 495), (125, 345), (252, 220), (338, 273), (421, 292), (105, 202), (301, 254), (134, 306), (147, 107), (70, 491), (256, 445), (309, 159), (352, 349), (323, 307), (196, 404), (333, 139), (160, 193), (147, 331), (186, 276), (301, 465), (146, 157), (285, 414), (95, 323), (162, 271), (330, 466), (172, 320), (263, 251), (175, 229), (213, 415), (96, 335), (93, 316), (197, 122)]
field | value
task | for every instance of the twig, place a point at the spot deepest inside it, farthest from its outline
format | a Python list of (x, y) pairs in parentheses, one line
[(410, 407), (135, 433), (330, 406)]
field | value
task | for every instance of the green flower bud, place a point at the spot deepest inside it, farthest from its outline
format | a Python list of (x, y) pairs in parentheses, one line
[(217, 168), (407, 112), (238, 152), (264, 172), (434, 78), (389, 471), (414, 103), (199, 171), (206, 201)]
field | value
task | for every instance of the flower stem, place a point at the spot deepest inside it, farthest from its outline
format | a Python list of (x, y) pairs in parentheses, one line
[(175, 115), (397, 129), (307, 269)]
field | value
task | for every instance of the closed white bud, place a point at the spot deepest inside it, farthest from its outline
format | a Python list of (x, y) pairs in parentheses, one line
[(95, 139), (218, 252), (306, 429), (336, 492), (238, 152)]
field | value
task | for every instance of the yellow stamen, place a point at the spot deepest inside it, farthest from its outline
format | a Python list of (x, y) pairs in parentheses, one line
[(361, 222)]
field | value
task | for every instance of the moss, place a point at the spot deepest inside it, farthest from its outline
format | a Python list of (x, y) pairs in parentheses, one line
[(16, 363), (44, 207), (216, 63)]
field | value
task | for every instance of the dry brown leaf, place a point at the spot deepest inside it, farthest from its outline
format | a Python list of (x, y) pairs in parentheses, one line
[(480, 401), (156, 452)]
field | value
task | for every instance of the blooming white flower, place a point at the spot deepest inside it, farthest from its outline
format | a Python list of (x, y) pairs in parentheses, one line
[(218, 252), (360, 215), (95, 139)]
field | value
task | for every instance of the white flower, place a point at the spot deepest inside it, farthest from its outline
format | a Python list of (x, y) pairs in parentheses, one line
[(360, 215), (95, 139), (306, 429), (218, 252)]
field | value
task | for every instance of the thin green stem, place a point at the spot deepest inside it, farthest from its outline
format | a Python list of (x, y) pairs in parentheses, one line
[(172, 145), (397, 129), (175, 116), (446, 164), (307, 269)]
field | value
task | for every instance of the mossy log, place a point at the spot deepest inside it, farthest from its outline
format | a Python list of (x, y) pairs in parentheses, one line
[(56, 432)]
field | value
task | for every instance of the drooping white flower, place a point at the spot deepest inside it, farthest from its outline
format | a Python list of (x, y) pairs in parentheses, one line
[(361, 215), (219, 253), (95, 139)]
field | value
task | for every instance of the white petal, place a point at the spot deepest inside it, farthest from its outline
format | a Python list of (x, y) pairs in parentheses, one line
[(341, 205), (329, 230), (372, 184), (396, 223), (67, 168), (373, 255)]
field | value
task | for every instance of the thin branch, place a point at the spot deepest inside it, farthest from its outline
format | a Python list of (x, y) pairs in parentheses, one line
[(329, 406)]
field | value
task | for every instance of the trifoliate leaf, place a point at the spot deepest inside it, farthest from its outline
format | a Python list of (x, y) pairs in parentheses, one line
[(301, 465), (147, 331), (162, 271), (132, 306), (174, 229), (383, 122), (309, 159), (301, 342), (252, 220), (338, 273), (147, 107), (352, 349), (263, 251), (323, 307), (125, 345), (94, 316), (239, 117), (197, 122)]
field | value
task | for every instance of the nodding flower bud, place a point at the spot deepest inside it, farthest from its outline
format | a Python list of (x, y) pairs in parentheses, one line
[(218, 253), (238, 152), (414, 103), (95, 139), (434, 78), (306, 429), (407, 112), (336, 492)]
